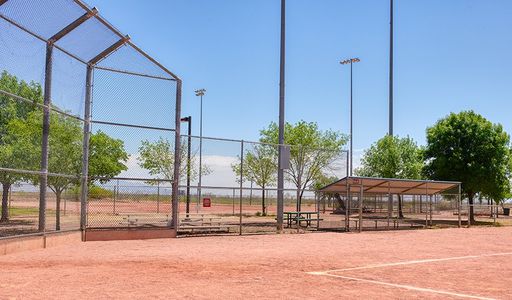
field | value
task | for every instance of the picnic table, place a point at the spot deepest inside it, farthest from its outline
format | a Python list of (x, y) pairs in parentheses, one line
[(292, 217)]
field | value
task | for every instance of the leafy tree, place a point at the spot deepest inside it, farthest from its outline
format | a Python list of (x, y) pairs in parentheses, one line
[(393, 157), (65, 150), (313, 151), (158, 158), (107, 157), (468, 148), (260, 167), (11, 109), (322, 181)]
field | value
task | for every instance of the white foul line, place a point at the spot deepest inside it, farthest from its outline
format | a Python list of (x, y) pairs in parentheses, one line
[(409, 287), (411, 262)]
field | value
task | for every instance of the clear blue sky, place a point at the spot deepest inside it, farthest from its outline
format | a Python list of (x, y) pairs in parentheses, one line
[(449, 56)]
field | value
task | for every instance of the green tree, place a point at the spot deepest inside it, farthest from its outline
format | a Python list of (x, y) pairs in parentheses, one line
[(312, 152), (158, 158), (393, 157), (65, 150), (468, 148), (260, 167), (11, 109), (107, 157), (321, 181)]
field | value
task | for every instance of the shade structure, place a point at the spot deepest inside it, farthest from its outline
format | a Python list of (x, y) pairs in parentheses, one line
[(373, 185)]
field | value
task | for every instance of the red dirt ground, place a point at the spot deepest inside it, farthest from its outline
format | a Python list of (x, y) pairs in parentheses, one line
[(269, 267)]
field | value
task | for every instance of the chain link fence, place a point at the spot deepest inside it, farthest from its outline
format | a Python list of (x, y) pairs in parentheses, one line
[(230, 186), (78, 99)]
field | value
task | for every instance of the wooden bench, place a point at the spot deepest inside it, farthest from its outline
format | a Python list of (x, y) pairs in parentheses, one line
[(207, 228), (202, 222), (143, 219)]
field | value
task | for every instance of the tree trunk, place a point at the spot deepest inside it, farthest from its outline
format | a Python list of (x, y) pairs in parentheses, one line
[(400, 210), (341, 203), (298, 200), (58, 195), (263, 207), (5, 202), (471, 212)]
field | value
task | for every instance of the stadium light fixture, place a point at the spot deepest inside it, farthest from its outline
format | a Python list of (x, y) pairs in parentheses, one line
[(200, 93), (351, 61)]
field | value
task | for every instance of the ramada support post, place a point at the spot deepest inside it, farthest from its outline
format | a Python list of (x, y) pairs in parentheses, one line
[(361, 207), (459, 204)]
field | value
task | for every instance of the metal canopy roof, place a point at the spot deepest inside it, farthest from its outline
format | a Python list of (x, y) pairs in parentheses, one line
[(373, 185)]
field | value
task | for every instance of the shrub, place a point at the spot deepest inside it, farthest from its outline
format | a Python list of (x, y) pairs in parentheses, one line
[(96, 192)]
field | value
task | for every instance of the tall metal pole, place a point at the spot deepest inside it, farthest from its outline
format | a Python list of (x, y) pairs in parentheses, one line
[(200, 93), (189, 157), (351, 61), (280, 171), (85, 144), (390, 132), (43, 178), (177, 159), (241, 181), (189, 152), (200, 148), (351, 122)]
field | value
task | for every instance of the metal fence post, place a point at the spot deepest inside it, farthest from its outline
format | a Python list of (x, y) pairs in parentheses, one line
[(43, 178), (494, 208), (233, 201), (390, 206), (116, 194), (348, 207), (85, 151), (459, 203), (431, 209), (361, 207), (177, 159), (241, 180), (250, 195), (158, 197)]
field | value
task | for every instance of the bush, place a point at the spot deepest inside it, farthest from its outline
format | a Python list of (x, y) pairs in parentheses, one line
[(96, 192)]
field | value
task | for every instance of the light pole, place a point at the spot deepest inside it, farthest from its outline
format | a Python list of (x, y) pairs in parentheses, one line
[(189, 146), (351, 61), (390, 130), (200, 93), (280, 168)]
